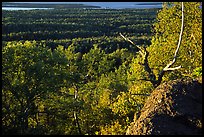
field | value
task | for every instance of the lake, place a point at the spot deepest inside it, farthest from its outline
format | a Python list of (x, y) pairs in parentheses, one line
[(16, 8), (103, 5)]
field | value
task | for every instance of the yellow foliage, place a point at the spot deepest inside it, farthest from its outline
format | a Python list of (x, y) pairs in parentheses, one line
[(114, 129), (104, 99)]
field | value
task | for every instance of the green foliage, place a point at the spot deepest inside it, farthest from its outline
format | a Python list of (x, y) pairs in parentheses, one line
[(96, 63), (75, 23), (80, 50), (164, 43), (197, 72), (70, 53), (30, 73), (114, 129)]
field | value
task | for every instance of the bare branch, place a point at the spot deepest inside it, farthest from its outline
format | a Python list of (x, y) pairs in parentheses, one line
[(75, 113), (167, 68), (178, 46), (126, 39), (144, 53), (151, 76), (181, 33)]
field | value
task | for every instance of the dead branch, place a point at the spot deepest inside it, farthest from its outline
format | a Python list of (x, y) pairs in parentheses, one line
[(167, 68), (140, 49), (178, 46), (75, 111), (144, 53)]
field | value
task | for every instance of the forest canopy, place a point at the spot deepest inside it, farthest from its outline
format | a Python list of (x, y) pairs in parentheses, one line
[(68, 71)]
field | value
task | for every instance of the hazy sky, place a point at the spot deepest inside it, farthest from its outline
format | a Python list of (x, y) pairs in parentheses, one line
[(109, 4)]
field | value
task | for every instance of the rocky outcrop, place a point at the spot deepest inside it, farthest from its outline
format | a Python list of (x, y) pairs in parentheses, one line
[(173, 108)]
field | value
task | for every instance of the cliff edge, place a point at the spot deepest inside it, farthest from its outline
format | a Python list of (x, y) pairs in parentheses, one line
[(173, 108)]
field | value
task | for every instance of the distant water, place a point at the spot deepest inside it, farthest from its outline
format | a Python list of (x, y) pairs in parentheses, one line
[(106, 5), (123, 5), (16, 8)]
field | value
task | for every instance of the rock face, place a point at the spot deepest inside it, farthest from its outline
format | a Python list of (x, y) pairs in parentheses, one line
[(173, 108)]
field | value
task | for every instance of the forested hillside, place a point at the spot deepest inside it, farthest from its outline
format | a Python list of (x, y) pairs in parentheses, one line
[(73, 71)]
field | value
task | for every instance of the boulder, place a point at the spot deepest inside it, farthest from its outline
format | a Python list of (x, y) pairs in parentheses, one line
[(173, 108)]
